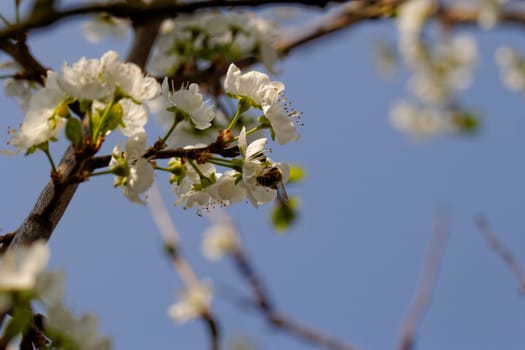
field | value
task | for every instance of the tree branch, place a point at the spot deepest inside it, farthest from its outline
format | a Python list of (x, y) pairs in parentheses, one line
[(54, 199), (506, 255), (143, 13), (426, 284)]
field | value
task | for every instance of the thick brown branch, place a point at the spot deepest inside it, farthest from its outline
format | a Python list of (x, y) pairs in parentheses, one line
[(506, 255), (53, 199), (426, 284)]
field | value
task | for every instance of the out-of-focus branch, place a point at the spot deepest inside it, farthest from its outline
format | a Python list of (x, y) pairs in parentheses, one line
[(426, 284), (506, 255), (141, 12), (19, 51), (171, 240), (275, 318), (144, 37)]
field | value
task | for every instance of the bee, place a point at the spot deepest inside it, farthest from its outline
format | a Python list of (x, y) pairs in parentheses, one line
[(273, 178)]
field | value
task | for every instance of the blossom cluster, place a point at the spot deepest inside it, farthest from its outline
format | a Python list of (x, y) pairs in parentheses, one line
[(438, 70), (205, 37), (111, 92), (93, 97)]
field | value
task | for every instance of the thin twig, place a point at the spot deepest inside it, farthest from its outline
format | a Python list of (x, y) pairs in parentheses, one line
[(426, 284), (505, 254)]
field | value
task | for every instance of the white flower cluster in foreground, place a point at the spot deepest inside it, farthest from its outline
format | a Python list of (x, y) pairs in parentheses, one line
[(208, 36), (93, 97), (116, 91), (438, 72), (24, 281), (247, 178)]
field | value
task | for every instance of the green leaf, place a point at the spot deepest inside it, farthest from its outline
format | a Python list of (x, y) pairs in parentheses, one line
[(283, 216), (466, 121), (297, 174), (74, 131)]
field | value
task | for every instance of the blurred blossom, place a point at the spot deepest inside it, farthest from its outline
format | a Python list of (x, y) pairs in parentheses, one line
[(411, 18), (104, 26), (20, 90), (512, 67), (219, 239), (417, 121), (208, 36), (20, 266), (60, 324), (193, 302), (443, 69), (489, 12)]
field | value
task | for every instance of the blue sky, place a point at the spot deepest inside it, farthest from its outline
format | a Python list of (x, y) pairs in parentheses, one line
[(351, 264)]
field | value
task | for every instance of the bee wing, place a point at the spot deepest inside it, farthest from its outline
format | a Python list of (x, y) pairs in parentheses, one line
[(281, 193)]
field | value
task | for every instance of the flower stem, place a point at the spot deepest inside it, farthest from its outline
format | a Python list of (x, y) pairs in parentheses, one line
[(198, 171), (170, 131), (242, 107), (168, 170), (50, 158), (95, 133), (222, 162), (105, 172)]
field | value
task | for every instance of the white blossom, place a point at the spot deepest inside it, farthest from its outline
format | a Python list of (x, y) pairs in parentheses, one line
[(133, 173), (130, 79), (254, 85), (190, 101), (41, 122), (254, 164), (280, 118), (94, 79), (134, 117), (226, 190), (87, 79), (20, 266), (193, 190), (193, 302)]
